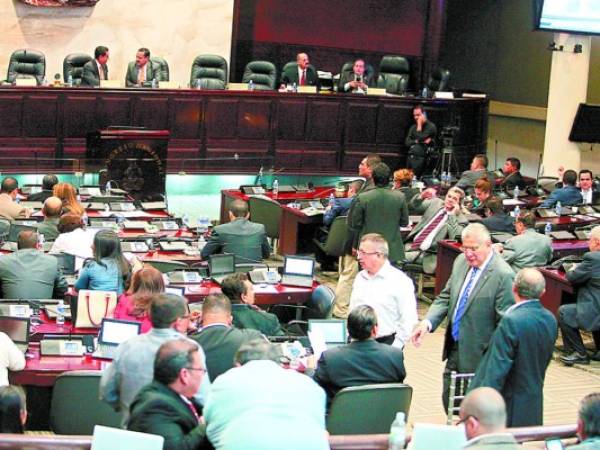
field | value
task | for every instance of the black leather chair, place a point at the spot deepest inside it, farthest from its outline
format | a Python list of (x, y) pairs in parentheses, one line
[(25, 63), (210, 71), (439, 80), (163, 67), (262, 73), (73, 65), (394, 74)]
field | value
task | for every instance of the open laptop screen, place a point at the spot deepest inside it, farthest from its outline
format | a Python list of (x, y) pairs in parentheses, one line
[(333, 330), (17, 328), (117, 331), (296, 265), (224, 263)]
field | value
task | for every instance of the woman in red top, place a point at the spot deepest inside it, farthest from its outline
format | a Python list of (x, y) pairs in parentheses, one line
[(135, 304)]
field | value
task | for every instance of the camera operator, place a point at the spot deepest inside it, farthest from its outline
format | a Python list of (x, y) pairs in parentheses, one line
[(420, 136)]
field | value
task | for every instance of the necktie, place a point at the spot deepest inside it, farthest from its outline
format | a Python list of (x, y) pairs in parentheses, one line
[(303, 78), (425, 232), (141, 75), (192, 408), (462, 304)]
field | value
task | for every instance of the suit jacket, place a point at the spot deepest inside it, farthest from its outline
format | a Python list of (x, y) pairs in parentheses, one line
[(340, 207), (382, 211), (290, 76), (586, 276), (247, 240), (450, 230), (9, 209), (496, 441), (49, 228), (252, 317), (157, 409), (352, 238), (40, 196), (490, 297), (469, 177), (516, 361), (567, 196), (220, 343), (529, 249), (500, 222), (29, 273), (359, 363), (91, 74), (346, 77), (131, 79), (512, 180)]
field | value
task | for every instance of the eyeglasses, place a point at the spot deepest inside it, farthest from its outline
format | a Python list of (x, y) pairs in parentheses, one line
[(465, 419), (363, 253), (470, 249), (196, 368)]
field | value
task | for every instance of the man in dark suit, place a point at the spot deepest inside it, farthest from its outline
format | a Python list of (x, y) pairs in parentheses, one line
[(29, 273), (567, 195), (477, 170), (358, 80), (347, 264), (512, 174), (96, 69), (247, 240), (141, 72), (382, 211), (48, 183), (51, 210), (303, 74), (585, 312), (519, 353), (363, 361), (218, 338), (166, 407), (240, 292), (478, 291), (496, 219)]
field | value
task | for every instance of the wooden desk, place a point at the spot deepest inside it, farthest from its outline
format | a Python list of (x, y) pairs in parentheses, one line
[(556, 285)]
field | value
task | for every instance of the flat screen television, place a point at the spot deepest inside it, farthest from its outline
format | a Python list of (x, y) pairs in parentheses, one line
[(569, 16), (586, 126)]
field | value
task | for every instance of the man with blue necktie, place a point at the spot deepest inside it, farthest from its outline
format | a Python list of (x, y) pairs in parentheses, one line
[(478, 292)]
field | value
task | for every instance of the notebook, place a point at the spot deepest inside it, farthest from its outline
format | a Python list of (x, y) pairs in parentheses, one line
[(17, 329), (112, 333), (298, 271), (221, 266)]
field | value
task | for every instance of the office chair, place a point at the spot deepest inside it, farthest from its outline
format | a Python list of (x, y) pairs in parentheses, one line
[(73, 66), (262, 73), (210, 71)]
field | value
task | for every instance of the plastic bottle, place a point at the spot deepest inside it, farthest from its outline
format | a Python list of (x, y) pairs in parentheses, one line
[(558, 208), (108, 187), (185, 220), (40, 241), (516, 192), (331, 199), (294, 87), (106, 208), (201, 242), (154, 83), (517, 211), (60, 313), (424, 92), (275, 188), (548, 229), (70, 80), (250, 85), (198, 84), (397, 437)]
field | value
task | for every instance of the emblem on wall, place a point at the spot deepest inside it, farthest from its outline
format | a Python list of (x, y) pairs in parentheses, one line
[(53, 3)]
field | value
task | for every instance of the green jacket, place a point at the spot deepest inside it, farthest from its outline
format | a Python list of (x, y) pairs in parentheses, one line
[(247, 316)]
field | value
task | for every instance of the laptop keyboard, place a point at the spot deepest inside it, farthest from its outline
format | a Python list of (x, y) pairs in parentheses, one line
[(105, 351), (294, 280)]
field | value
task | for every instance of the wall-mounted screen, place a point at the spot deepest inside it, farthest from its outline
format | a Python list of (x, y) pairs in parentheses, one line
[(570, 16)]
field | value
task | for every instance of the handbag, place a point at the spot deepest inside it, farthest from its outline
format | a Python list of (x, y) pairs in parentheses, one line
[(93, 306)]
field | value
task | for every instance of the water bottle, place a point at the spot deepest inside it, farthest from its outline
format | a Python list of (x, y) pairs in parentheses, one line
[(331, 199), (397, 437), (201, 242), (294, 87), (275, 188), (17, 199), (202, 225), (185, 220), (45, 82), (60, 313), (516, 192), (70, 80), (548, 229), (558, 208), (108, 187), (414, 181), (424, 92), (106, 208), (40, 241), (250, 85), (198, 84), (85, 219), (154, 83), (516, 211)]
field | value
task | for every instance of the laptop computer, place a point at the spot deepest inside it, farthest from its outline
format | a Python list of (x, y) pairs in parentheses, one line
[(221, 266), (112, 333), (333, 330), (16, 309), (68, 264), (184, 277), (298, 271), (17, 329)]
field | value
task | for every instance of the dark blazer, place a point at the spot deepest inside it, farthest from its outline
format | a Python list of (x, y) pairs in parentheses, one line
[(340, 207), (157, 409), (567, 196), (247, 240), (254, 318), (131, 79), (512, 180), (359, 363), (586, 276), (39, 196), (352, 238), (382, 211), (470, 177), (91, 75), (516, 362), (500, 222), (220, 343), (490, 297), (346, 77), (290, 76)]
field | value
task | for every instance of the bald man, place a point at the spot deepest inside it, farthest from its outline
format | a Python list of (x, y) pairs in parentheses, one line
[(51, 211), (301, 73), (483, 413)]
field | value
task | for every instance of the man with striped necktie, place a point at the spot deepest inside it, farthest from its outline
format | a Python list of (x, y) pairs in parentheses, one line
[(478, 292)]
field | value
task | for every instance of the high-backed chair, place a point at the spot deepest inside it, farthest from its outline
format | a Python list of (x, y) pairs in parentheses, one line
[(163, 67), (210, 71), (76, 407), (334, 245), (26, 63), (394, 74), (73, 66), (267, 212), (439, 80), (368, 409), (262, 73)]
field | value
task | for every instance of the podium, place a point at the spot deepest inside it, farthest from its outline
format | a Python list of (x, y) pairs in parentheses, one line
[(134, 160)]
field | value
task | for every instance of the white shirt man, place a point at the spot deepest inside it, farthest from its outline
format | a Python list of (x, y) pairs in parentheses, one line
[(389, 291)]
